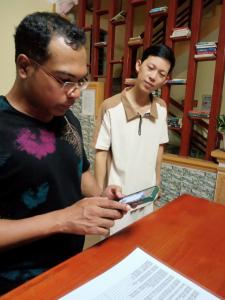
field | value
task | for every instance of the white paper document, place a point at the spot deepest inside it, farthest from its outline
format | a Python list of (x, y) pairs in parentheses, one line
[(139, 276)]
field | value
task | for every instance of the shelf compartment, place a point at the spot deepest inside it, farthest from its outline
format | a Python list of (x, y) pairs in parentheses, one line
[(114, 62), (102, 12)]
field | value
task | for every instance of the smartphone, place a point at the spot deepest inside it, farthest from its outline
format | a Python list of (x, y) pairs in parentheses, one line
[(144, 196)]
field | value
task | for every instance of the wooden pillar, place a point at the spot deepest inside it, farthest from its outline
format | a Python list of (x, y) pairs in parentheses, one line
[(220, 181), (217, 86), (191, 78)]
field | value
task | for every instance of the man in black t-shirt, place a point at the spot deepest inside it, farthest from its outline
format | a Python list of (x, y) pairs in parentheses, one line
[(44, 172)]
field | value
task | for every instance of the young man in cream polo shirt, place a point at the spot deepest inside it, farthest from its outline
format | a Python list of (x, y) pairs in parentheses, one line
[(132, 128)]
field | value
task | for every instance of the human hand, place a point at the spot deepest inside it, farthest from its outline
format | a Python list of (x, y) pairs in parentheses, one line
[(93, 215), (113, 192)]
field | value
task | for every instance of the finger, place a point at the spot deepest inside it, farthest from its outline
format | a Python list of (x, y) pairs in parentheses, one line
[(104, 223), (118, 194), (112, 214), (99, 231), (106, 203)]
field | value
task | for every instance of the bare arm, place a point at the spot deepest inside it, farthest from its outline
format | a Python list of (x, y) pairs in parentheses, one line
[(158, 164), (93, 215), (89, 185), (90, 188), (15, 232), (101, 159)]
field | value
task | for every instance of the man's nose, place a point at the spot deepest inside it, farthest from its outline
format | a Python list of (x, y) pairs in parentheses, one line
[(153, 74), (75, 93)]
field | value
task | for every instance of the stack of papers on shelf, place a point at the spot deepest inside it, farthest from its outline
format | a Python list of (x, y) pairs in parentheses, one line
[(177, 81), (120, 17), (158, 9), (195, 113), (181, 32), (130, 81), (136, 40), (205, 49), (140, 276)]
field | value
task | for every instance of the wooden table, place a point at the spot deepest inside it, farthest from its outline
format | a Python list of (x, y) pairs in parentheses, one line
[(188, 234)]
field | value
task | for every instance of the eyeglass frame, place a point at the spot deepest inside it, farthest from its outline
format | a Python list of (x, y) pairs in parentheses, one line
[(64, 84)]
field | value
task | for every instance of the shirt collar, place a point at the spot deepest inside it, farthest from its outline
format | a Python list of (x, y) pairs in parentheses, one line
[(131, 113)]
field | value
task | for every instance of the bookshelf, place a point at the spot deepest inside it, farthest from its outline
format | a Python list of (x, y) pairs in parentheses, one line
[(161, 24)]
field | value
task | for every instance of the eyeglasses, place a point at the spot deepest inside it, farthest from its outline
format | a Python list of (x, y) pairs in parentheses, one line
[(67, 86)]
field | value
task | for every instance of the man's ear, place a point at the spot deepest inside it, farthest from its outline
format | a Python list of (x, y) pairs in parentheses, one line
[(137, 65), (23, 65)]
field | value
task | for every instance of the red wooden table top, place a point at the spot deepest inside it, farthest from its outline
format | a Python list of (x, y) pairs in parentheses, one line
[(188, 235)]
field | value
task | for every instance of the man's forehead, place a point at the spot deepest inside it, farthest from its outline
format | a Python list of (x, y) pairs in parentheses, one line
[(65, 60), (60, 44), (157, 61)]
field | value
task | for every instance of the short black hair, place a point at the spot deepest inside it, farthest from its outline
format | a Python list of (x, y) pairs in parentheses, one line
[(36, 30), (162, 51)]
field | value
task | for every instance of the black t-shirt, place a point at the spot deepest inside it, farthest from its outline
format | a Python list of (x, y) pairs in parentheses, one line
[(41, 165)]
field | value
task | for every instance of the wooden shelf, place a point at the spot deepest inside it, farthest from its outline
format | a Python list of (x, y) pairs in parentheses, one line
[(117, 23), (138, 2), (158, 28), (135, 44), (204, 58), (119, 61), (87, 28), (180, 38), (102, 12)]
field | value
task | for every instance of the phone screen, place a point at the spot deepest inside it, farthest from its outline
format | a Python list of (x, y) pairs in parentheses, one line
[(144, 196)]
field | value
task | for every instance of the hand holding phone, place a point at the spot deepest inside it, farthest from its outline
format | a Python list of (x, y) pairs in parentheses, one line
[(144, 196)]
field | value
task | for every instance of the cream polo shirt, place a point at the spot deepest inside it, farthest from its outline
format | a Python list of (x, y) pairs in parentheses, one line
[(133, 141)]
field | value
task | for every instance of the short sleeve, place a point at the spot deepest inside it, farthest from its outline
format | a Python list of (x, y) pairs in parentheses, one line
[(103, 133), (164, 138)]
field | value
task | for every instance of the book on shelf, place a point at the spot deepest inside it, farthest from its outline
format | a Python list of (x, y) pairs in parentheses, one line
[(206, 102), (202, 48), (195, 113), (181, 32), (120, 17), (204, 55), (101, 43), (177, 81), (158, 9), (205, 50), (212, 43), (174, 122)]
